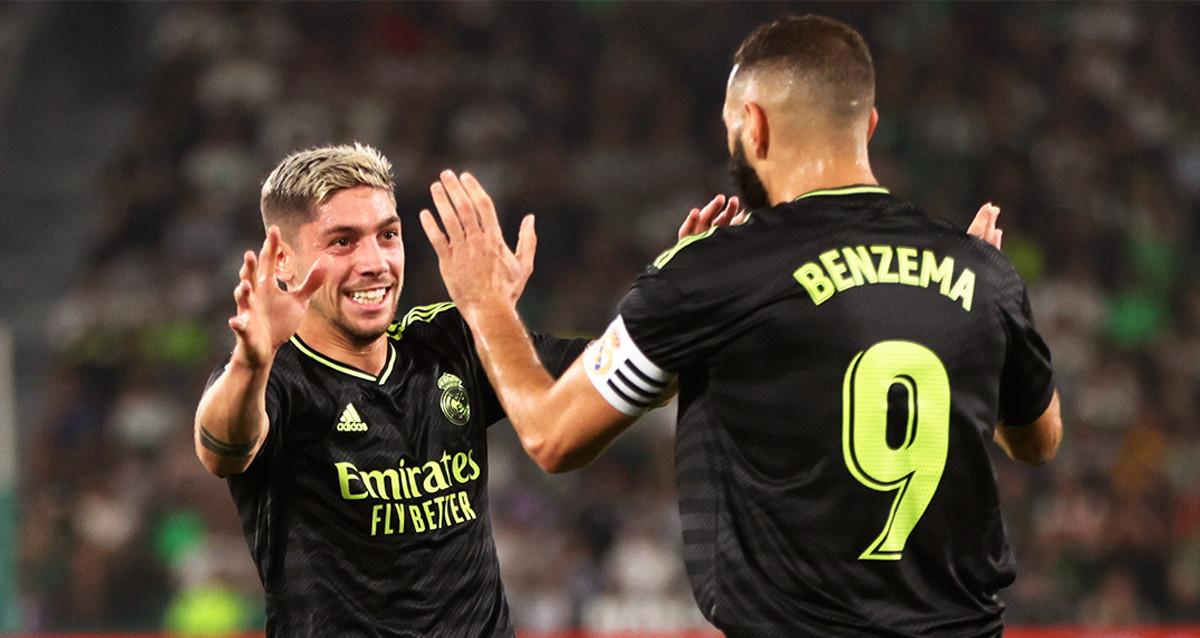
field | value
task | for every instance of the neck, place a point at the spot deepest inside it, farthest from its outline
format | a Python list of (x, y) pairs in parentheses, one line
[(333, 342), (794, 172)]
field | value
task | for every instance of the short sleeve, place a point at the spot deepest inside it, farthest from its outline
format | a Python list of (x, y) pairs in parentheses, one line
[(678, 317), (1027, 379), (558, 354)]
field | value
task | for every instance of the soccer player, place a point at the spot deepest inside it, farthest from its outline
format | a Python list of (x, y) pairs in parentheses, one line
[(355, 446), (844, 363)]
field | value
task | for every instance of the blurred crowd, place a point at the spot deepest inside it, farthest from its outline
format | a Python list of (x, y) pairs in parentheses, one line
[(1082, 121)]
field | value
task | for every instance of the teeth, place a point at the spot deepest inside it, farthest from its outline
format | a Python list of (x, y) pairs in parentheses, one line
[(369, 296)]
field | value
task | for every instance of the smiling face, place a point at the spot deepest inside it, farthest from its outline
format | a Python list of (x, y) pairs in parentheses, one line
[(358, 232)]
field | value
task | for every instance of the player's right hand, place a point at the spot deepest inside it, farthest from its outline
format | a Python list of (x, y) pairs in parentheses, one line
[(267, 316)]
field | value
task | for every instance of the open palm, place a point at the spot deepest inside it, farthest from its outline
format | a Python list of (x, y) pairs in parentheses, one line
[(267, 316)]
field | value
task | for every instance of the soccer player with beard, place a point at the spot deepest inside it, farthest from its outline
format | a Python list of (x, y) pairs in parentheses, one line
[(844, 363), (355, 447)]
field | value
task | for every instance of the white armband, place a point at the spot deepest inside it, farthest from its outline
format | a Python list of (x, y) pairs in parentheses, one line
[(622, 374)]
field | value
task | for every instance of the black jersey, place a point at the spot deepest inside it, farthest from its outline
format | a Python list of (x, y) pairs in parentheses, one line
[(366, 509), (843, 361)]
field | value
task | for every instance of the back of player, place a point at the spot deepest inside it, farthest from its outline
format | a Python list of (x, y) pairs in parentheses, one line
[(843, 362)]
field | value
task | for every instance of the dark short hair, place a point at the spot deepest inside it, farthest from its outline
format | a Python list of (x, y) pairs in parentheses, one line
[(827, 55)]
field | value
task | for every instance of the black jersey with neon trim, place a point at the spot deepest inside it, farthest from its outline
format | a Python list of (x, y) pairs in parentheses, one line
[(843, 361), (366, 510)]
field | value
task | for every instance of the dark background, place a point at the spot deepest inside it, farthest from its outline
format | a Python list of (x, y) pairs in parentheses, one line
[(134, 137)]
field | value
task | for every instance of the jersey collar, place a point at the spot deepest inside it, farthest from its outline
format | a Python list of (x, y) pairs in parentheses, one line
[(346, 369), (845, 190)]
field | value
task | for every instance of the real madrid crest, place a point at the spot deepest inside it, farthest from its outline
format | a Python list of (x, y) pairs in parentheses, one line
[(603, 351), (456, 405)]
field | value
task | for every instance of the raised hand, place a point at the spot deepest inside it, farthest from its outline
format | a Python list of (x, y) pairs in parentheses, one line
[(476, 264), (718, 212), (268, 316), (984, 225)]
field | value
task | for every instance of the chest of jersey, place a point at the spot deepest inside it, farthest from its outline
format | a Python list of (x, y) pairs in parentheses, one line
[(401, 455)]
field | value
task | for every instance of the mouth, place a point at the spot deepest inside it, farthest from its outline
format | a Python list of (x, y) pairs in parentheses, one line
[(370, 298)]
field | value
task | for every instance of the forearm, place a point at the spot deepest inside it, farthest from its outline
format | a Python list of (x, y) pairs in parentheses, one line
[(561, 423), (231, 420), (1036, 443), (518, 378)]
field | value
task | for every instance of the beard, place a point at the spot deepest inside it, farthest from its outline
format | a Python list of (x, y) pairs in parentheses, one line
[(746, 181)]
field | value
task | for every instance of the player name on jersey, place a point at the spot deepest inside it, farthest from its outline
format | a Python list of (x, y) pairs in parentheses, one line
[(425, 488), (850, 266)]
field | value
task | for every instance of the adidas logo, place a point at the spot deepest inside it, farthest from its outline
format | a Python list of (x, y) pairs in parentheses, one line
[(350, 421)]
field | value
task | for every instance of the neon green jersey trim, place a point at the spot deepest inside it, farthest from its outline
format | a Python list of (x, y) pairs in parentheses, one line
[(418, 313), (845, 190), (683, 243), (345, 369)]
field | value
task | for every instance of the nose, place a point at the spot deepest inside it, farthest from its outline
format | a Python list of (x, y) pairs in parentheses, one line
[(371, 258)]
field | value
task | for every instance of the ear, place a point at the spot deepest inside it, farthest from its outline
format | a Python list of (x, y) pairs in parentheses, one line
[(872, 123), (756, 133), (285, 263)]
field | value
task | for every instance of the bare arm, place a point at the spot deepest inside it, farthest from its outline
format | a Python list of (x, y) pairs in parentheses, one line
[(562, 424), (231, 421), (1036, 443)]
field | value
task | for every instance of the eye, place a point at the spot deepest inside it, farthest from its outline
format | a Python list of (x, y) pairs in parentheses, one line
[(391, 234), (340, 242)]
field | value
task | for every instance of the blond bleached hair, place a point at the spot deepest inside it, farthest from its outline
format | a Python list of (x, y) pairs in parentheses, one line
[(306, 179)]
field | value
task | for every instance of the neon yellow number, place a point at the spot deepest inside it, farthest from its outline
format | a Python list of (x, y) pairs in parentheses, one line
[(914, 469)]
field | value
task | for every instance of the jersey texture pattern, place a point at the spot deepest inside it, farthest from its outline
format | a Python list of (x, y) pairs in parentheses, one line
[(843, 361), (366, 510)]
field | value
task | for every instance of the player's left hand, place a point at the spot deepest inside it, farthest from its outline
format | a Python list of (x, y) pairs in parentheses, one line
[(984, 225), (718, 212), (476, 264)]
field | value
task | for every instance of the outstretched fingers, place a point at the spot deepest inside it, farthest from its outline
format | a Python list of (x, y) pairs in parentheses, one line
[(464, 207), (691, 224), (721, 211), (711, 211), (482, 204), (437, 238), (725, 218), (241, 296), (314, 279), (249, 271), (247, 278), (449, 215), (983, 225), (272, 247), (526, 243), (462, 203)]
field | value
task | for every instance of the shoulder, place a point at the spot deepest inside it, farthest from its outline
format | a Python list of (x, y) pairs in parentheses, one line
[(763, 230), (436, 330), (433, 318)]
